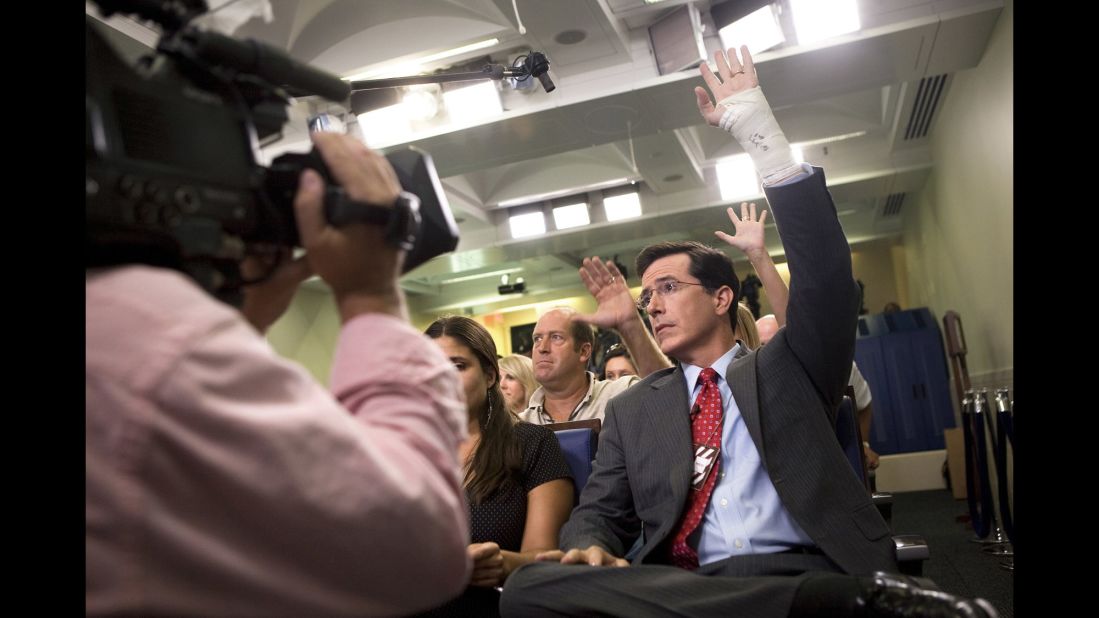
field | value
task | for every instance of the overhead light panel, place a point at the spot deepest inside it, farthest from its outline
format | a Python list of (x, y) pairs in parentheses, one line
[(420, 103), (625, 206), (563, 192), (459, 279), (816, 20), (527, 225), (832, 138), (759, 30), (386, 126), (571, 215), (737, 178), (472, 103)]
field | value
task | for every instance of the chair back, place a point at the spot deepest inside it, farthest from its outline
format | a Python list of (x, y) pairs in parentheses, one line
[(847, 432), (578, 447)]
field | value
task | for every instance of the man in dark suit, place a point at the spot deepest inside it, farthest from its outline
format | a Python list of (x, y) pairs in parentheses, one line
[(749, 481)]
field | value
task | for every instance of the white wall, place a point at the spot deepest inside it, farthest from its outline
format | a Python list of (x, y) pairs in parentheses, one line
[(958, 229)]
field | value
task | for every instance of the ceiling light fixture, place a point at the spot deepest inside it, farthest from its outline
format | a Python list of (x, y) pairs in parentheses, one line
[(538, 197), (830, 139), (504, 271), (816, 20), (472, 103), (738, 24), (571, 215), (527, 225), (624, 206), (385, 126), (421, 103), (737, 178)]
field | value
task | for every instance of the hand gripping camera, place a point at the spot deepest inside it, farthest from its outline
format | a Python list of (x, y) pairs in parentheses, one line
[(171, 174)]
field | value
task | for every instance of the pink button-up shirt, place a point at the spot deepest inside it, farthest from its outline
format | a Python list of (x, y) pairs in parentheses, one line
[(222, 479)]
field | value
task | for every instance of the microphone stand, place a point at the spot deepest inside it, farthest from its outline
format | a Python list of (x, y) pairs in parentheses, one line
[(534, 65)]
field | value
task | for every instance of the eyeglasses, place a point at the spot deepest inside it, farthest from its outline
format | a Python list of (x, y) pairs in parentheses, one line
[(663, 288)]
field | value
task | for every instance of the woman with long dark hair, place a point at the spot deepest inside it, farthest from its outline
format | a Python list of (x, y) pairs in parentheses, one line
[(518, 486)]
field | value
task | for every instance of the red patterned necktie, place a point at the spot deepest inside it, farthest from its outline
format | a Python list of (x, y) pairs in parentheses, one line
[(706, 420)]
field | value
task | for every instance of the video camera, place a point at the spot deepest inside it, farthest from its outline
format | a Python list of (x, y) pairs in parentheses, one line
[(172, 178)]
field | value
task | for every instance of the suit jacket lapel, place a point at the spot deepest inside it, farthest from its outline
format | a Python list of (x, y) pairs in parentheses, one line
[(741, 377), (669, 413)]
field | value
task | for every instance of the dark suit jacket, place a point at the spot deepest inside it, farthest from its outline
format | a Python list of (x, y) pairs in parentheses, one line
[(787, 392)]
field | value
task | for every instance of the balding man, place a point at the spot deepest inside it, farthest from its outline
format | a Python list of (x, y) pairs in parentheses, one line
[(766, 326), (563, 343)]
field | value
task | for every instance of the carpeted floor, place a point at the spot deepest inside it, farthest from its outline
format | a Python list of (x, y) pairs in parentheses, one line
[(957, 565)]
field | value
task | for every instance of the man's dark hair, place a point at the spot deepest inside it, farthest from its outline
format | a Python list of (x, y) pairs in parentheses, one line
[(581, 333), (711, 267)]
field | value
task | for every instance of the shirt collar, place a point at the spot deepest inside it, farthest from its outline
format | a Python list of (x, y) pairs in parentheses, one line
[(538, 399), (721, 366)]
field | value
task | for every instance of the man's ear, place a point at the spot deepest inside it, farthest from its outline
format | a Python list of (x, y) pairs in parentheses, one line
[(724, 299), (585, 351)]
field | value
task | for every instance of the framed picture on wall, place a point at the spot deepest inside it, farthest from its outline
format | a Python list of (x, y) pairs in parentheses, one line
[(522, 339)]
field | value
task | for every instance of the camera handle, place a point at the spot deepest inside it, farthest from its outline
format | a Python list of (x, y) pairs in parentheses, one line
[(401, 220)]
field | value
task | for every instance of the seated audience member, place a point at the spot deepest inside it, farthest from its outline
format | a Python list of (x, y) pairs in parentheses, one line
[(767, 326), (222, 480), (617, 363), (745, 328), (518, 487), (517, 381), (864, 413), (743, 501), (563, 343)]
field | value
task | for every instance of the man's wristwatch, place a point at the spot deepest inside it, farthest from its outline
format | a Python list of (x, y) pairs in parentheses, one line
[(401, 219), (866, 444)]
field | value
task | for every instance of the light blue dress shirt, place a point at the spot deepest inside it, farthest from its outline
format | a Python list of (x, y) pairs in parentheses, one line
[(745, 514)]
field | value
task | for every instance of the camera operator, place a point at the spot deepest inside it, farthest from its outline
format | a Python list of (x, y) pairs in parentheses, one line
[(222, 480)]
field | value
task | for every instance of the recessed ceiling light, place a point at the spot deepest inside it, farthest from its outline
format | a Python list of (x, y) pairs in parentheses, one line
[(571, 215), (530, 224), (737, 178), (815, 20), (759, 30), (625, 206), (472, 103)]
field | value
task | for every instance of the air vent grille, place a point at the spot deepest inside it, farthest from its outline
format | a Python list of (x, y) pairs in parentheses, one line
[(928, 96), (893, 205)]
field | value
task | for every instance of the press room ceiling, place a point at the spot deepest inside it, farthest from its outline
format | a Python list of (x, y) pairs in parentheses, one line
[(865, 102)]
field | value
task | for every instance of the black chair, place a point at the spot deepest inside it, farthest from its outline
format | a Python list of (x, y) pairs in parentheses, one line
[(911, 548), (851, 439)]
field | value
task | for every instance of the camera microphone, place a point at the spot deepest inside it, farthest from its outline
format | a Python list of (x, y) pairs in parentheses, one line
[(270, 63), (538, 65), (547, 83)]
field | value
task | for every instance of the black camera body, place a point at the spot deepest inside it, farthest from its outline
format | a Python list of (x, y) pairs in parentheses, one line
[(171, 174)]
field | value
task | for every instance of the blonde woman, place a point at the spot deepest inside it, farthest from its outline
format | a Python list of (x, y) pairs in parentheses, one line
[(517, 381)]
